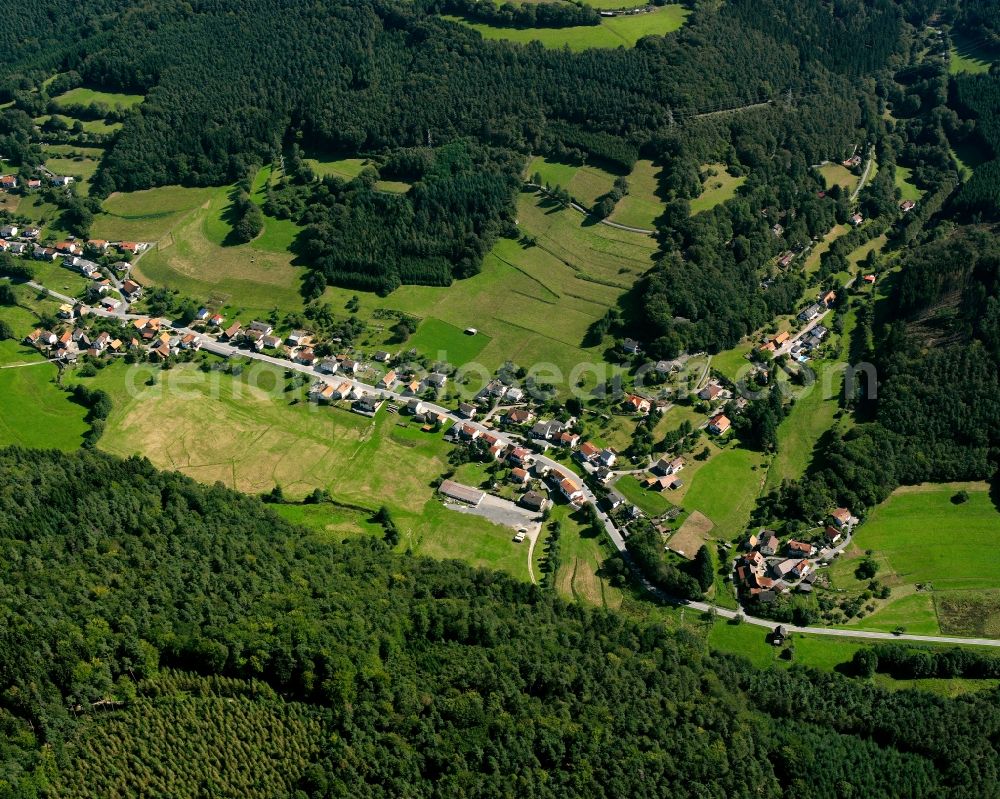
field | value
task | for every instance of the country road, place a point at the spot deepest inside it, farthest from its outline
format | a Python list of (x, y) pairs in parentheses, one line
[(227, 351), (577, 207), (865, 174)]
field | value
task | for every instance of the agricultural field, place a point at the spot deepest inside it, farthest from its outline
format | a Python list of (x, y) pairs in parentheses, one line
[(611, 32), (908, 191), (147, 215), (836, 174), (642, 206), (975, 613), (585, 183), (716, 188), (446, 342), (691, 535), (925, 544), (970, 56), (250, 434), (84, 96)]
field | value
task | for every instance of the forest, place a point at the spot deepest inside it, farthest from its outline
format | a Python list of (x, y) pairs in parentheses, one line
[(149, 618)]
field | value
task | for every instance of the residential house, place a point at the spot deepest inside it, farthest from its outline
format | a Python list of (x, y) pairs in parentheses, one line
[(519, 456), (17, 248), (435, 380), (467, 410), (514, 394), (768, 543), (587, 452), (785, 259), (468, 432), (191, 342), (349, 366), (801, 569), (8, 182), (811, 312), (571, 490), (832, 534), (783, 568), (272, 342), (534, 501), (262, 327), (202, 314), (798, 549), (34, 183), (777, 230), (412, 388), (607, 458), (306, 357), (61, 180), (322, 392), (133, 247), (842, 518), (382, 357), (31, 232), (638, 404), (69, 247), (906, 206), (8, 231), (231, 332), (630, 346), (547, 430), (111, 304), (857, 219), (869, 279), (666, 466), (415, 407), (328, 366), (710, 392), (367, 405), (828, 299), (66, 311), (388, 379), (97, 245), (216, 320), (518, 476), (343, 390), (719, 424), (519, 416), (567, 439)]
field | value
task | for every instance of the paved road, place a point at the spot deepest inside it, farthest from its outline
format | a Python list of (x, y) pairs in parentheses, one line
[(226, 350)]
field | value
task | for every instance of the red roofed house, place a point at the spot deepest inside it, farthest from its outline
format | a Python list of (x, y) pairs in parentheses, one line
[(719, 424)]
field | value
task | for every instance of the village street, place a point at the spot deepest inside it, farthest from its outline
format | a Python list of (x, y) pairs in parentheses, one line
[(210, 344)]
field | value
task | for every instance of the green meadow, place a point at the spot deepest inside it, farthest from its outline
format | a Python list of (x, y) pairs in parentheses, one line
[(84, 96), (725, 490), (716, 188), (642, 206), (622, 31), (908, 191), (970, 56), (249, 433), (584, 182)]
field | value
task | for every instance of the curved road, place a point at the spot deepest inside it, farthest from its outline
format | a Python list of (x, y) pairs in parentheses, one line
[(210, 344)]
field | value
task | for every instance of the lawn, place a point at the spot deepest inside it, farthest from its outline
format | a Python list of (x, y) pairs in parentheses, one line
[(250, 434), (349, 168), (642, 206), (36, 412), (585, 183), (81, 168), (716, 188), (838, 175), (611, 32), (84, 96), (969, 56), (908, 191), (653, 503), (447, 343), (725, 489), (330, 522), (733, 364)]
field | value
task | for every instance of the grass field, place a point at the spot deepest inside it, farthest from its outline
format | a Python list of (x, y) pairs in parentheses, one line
[(250, 435), (838, 175), (84, 96), (725, 490), (80, 167), (812, 261), (969, 56), (36, 412), (908, 191), (642, 206), (584, 183), (581, 557), (147, 215), (733, 363), (446, 342), (611, 32), (716, 188), (968, 155), (350, 168), (920, 538), (330, 522), (653, 503)]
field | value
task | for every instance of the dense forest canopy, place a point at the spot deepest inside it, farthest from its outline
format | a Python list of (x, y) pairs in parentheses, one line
[(426, 678)]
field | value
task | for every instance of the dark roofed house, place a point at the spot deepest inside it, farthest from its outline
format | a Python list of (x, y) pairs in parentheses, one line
[(462, 493), (532, 500)]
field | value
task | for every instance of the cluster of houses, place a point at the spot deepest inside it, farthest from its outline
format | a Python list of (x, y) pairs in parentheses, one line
[(67, 345), (768, 568), (10, 183), (24, 242)]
